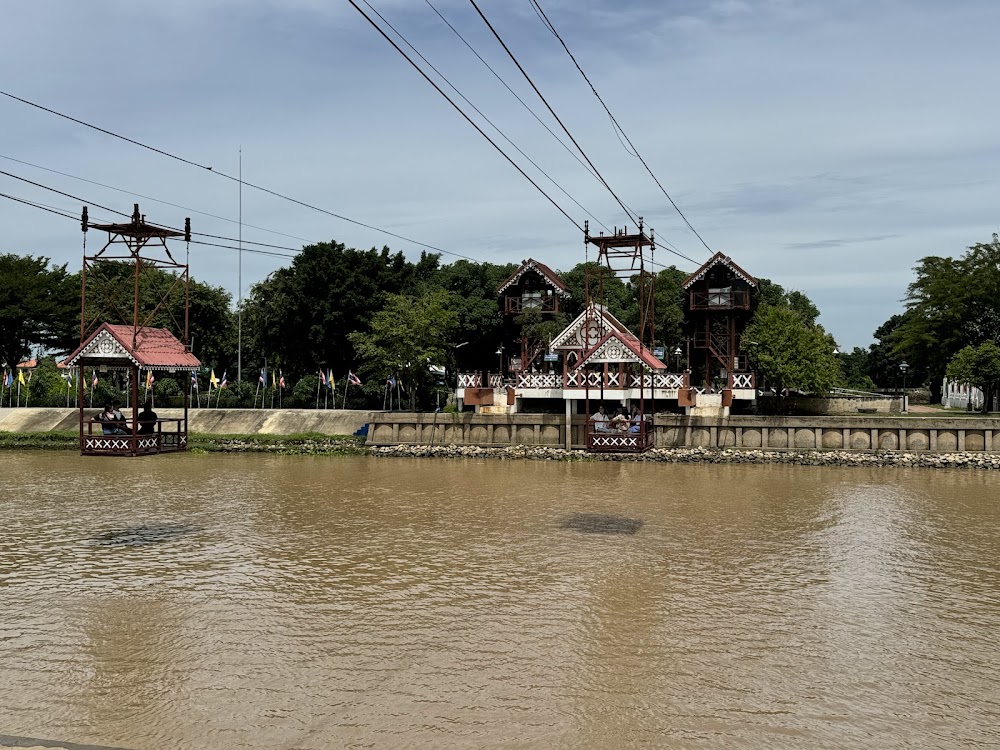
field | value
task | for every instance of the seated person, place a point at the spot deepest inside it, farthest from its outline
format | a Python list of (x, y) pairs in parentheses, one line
[(619, 421), (119, 418), (147, 419), (109, 425), (635, 421), (600, 420)]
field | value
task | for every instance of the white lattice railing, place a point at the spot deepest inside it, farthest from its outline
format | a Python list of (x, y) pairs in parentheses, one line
[(539, 380), (581, 379), (742, 380)]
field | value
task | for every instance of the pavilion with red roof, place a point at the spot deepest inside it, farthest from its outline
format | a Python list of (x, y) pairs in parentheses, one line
[(124, 348)]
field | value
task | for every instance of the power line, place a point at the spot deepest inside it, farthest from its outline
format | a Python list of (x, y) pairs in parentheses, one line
[(481, 114), (244, 182), (42, 206), (462, 112), (545, 101), (60, 192), (549, 25), (513, 93), (150, 198), (72, 217)]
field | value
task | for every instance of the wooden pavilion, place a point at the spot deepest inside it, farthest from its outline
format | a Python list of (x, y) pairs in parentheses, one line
[(115, 339), (123, 348)]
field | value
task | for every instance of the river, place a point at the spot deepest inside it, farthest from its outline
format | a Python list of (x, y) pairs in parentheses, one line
[(240, 601)]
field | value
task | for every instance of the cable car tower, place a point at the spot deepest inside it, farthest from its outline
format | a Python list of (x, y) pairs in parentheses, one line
[(626, 360), (118, 308)]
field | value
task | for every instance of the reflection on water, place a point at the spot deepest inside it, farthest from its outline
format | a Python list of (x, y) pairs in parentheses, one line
[(279, 602)]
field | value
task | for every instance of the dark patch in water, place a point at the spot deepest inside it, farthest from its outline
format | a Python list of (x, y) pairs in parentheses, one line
[(600, 523), (144, 534)]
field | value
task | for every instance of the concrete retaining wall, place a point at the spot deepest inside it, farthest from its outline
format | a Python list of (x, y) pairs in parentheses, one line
[(206, 421), (831, 433)]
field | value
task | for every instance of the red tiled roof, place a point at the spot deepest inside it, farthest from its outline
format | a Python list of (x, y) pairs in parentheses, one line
[(156, 348), (714, 260), (531, 264), (28, 364)]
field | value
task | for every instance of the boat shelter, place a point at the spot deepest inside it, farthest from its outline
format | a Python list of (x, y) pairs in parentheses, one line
[(130, 349)]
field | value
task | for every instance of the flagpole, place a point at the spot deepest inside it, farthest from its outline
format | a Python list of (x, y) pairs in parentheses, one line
[(318, 383), (347, 383)]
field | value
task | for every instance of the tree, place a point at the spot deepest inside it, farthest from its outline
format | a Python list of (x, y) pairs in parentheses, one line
[(977, 366), (304, 313), (405, 339), (472, 297), (856, 365), (669, 307), (950, 305), (789, 353), (39, 306)]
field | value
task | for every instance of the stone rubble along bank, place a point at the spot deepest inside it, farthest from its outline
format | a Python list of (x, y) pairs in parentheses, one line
[(703, 455)]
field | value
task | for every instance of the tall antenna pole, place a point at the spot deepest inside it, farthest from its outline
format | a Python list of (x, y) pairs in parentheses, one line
[(239, 304)]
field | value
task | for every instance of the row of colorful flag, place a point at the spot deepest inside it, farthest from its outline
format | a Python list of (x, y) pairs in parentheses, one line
[(8, 378), (326, 379)]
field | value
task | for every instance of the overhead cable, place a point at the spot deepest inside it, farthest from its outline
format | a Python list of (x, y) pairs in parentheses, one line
[(481, 114), (548, 106), (464, 115), (549, 25), (244, 182)]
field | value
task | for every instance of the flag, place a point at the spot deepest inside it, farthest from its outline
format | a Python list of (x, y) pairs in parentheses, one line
[(281, 380), (149, 379), (194, 380), (329, 380), (93, 384), (20, 376), (263, 376), (274, 380), (352, 378), (212, 380), (391, 382), (224, 381), (3, 381), (322, 377)]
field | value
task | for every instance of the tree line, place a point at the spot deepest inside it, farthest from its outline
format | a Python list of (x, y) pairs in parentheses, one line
[(377, 314)]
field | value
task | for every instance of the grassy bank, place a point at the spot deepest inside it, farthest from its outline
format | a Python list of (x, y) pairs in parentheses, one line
[(303, 444)]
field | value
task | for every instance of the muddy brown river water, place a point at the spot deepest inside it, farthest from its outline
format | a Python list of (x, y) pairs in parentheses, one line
[(242, 601)]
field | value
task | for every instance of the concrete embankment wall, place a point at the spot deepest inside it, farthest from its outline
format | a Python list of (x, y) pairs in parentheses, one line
[(205, 421), (802, 433)]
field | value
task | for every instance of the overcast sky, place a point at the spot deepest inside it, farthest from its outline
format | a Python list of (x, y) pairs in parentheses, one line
[(825, 144)]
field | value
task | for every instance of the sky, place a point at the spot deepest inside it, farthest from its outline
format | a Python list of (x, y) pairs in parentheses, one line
[(827, 145)]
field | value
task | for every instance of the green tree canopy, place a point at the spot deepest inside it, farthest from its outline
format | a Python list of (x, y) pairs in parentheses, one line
[(305, 312), (789, 352), (39, 306), (977, 366), (952, 303), (405, 338)]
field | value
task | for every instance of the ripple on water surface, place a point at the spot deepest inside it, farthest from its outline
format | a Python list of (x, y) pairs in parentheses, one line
[(240, 601)]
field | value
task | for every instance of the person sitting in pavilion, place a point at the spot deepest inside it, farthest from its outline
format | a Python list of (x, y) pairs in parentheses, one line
[(635, 422), (109, 424), (619, 422), (600, 420), (147, 419)]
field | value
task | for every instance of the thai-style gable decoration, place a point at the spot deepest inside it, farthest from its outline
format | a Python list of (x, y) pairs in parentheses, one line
[(589, 327), (725, 260), (621, 347), (153, 349), (533, 286)]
